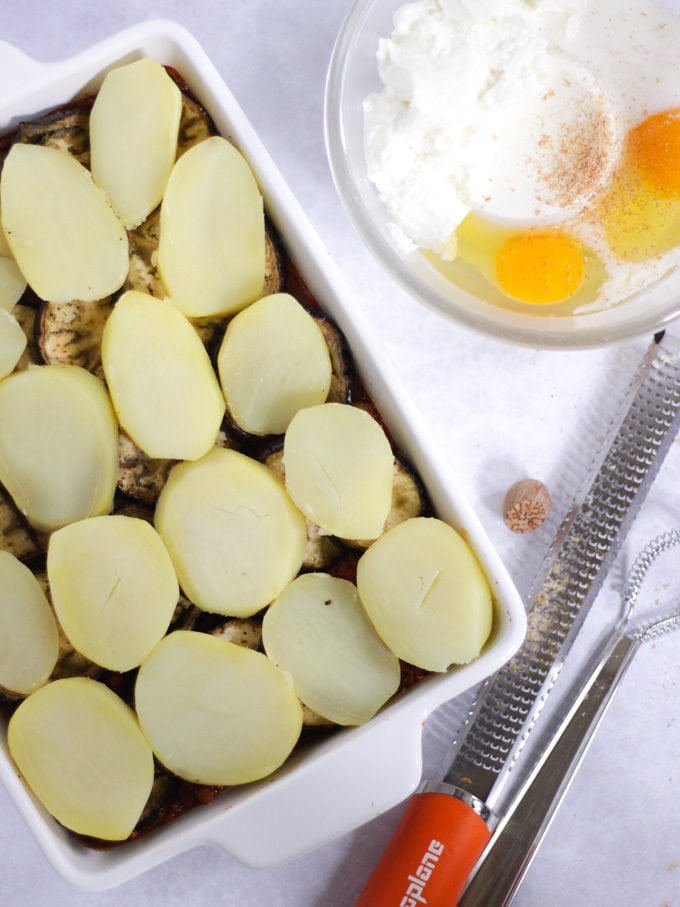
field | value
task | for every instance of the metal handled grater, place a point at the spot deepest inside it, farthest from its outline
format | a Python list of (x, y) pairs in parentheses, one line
[(573, 574)]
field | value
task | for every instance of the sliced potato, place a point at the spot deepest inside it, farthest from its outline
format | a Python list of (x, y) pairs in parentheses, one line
[(211, 252), (273, 361), (216, 712), (233, 533), (338, 466), (408, 500), (58, 445), (5, 251), (163, 387), (29, 641), (133, 137), (12, 283), (113, 586), (26, 316), (426, 594), (82, 753), (61, 229), (318, 632), (12, 343), (322, 549)]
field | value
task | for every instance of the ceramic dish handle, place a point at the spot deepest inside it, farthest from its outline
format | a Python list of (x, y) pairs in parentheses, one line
[(432, 853), (345, 786)]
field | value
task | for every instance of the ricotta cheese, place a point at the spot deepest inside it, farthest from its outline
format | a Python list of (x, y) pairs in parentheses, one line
[(517, 116)]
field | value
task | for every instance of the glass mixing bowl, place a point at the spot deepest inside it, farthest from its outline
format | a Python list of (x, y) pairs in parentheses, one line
[(352, 76)]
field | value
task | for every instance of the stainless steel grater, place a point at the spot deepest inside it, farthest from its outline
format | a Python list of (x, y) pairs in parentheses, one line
[(450, 822), (573, 573)]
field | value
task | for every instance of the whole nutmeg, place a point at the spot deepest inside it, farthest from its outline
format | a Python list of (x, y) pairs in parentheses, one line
[(526, 505)]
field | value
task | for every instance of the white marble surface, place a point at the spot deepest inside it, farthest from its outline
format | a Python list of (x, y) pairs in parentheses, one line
[(499, 413)]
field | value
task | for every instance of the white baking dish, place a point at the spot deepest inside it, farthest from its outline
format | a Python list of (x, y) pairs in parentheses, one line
[(358, 773)]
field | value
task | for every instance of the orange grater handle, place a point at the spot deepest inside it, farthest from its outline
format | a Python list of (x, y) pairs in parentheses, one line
[(433, 851)]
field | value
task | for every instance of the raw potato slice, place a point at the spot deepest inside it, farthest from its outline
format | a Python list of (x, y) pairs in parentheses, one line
[(273, 361), (426, 594), (12, 343), (211, 249), (233, 533), (29, 642), (408, 501), (12, 283), (113, 587), (82, 753), (58, 445), (26, 316), (215, 712), (338, 465), (133, 137), (318, 632), (163, 387), (5, 250), (61, 229)]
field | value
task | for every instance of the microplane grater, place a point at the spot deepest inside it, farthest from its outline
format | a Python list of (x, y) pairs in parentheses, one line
[(574, 571)]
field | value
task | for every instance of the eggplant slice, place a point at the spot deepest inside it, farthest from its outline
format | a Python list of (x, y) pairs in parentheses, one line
[(70, 333), (242, 631), (341, 374), (143, 248), (274, 261), (67, 130), (139, 476), (194, 126)]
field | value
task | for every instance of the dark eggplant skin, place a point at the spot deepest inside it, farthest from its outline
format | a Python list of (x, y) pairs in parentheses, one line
[(65, 130), (341, 363), (275, 262)]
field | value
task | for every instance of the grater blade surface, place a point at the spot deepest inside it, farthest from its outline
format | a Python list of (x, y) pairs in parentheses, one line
[(509, 702)]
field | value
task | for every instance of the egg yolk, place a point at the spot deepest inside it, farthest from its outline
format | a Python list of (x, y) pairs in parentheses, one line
[(655, 148), (539, 267), (640, 212)]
